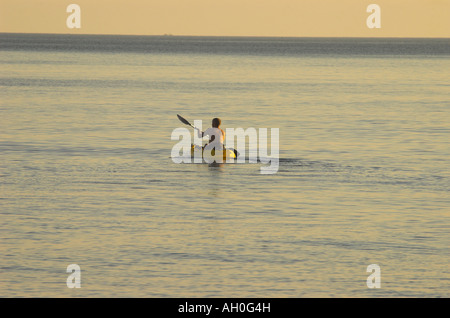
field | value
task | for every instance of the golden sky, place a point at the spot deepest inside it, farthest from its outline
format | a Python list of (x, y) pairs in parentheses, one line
[(399, 18)]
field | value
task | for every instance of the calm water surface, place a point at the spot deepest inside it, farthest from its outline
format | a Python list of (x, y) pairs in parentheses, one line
[(86, 175)]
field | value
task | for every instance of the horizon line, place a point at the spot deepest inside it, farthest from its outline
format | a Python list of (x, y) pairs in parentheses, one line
[(231, 36)]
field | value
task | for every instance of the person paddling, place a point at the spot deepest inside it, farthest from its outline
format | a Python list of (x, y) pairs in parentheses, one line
[(214, 132), (216, 137)]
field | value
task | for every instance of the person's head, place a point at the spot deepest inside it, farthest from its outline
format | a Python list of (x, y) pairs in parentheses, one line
[(216, 122)]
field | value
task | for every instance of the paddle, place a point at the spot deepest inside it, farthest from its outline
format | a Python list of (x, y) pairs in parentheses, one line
[(184, 121)]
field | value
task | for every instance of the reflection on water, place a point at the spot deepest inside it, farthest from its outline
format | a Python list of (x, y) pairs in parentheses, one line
[(86, 176), (216, 174)]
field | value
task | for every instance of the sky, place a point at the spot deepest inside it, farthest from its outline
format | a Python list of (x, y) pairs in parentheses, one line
[(297, 18)]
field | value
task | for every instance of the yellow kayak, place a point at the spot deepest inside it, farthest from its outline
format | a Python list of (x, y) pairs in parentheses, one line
[(227, 153)]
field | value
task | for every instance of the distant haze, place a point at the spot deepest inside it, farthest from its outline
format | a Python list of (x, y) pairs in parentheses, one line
[(344, 18)]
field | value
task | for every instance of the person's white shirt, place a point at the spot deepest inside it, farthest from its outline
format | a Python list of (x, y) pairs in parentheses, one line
[(212, 131)]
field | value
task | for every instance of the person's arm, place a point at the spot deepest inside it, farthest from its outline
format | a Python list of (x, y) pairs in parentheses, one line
[(199, 133)]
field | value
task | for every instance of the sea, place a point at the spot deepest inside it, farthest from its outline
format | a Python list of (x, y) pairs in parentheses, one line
[(358, 206)]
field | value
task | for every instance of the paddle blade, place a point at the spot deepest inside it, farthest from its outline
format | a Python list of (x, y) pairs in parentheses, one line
[(184, 121)]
